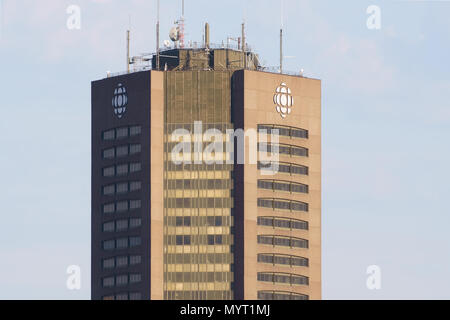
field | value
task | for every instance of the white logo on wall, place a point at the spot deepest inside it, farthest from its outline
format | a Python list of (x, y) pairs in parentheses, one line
[(284, 100), (120, 101)]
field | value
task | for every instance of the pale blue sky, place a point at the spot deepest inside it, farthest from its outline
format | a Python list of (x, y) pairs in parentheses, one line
[(386, 126)]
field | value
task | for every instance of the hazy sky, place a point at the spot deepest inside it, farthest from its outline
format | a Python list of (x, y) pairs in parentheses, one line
[(386, 127)]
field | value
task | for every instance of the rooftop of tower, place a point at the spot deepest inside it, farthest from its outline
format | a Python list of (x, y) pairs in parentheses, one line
[(203, 56)]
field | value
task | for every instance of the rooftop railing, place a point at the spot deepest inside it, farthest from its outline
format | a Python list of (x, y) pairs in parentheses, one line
[(149, 67), (132, 70), (277, 70), (201, 46)]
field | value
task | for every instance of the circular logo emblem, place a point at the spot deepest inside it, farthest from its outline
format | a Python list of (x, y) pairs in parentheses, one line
[(120, 101), (284, 100)]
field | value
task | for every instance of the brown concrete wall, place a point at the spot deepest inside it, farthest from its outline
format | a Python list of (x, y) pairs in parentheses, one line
[(259, 108)]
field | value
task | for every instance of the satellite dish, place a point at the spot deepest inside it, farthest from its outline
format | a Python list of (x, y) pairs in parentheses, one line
[(167, 43), (174, 34)]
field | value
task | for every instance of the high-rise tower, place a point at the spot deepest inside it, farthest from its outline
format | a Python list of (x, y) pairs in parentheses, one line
[(206, 228)]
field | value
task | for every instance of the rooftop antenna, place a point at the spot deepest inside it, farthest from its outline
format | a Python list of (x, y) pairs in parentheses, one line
[(244, 45), (207, 35), (281, 50), (128, 51), (182, 25), (281, 39), (157, 39), (128, 43), (243, 35)]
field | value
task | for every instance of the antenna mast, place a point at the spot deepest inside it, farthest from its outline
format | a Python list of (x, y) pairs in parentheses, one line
[(281, 39), (182, 26), (244, 46), (128, 51), (281, 50), (207, 35), (157, 40)]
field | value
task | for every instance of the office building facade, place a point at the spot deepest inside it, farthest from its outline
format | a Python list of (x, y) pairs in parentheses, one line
[(202, 228)]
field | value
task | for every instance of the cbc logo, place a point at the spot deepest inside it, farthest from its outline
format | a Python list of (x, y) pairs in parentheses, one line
[(120, 101), (284, 100)]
